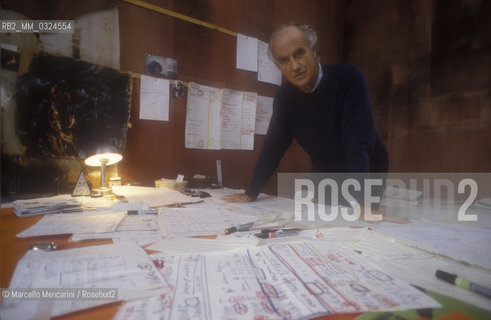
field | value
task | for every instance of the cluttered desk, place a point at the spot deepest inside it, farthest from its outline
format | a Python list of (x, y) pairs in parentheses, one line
[(202, 258)]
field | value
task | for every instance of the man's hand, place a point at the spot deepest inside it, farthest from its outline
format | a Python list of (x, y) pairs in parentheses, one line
[(238, 197)]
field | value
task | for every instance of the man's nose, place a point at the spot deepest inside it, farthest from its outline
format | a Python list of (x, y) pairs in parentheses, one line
[(294, 64)]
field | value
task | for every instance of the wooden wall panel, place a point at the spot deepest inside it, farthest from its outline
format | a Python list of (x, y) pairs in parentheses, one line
[(426, 63), (428, 70), (156, 149)]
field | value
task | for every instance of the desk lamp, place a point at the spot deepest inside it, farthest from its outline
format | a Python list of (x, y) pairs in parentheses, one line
[(104, 156)]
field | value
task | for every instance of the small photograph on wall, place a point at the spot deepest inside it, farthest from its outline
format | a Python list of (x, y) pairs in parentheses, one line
[(178, 89), (160, 66)]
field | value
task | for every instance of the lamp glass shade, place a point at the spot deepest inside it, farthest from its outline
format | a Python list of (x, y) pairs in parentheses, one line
[(109, 155)]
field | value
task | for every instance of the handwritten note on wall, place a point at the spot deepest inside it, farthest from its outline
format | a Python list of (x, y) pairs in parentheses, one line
[(154, 98), (220, 118), (264, 111)]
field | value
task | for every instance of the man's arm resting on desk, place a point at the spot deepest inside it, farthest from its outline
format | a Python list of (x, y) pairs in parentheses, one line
[(238, 197)]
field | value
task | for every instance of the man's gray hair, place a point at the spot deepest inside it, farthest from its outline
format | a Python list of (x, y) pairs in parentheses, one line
[(307, 29)]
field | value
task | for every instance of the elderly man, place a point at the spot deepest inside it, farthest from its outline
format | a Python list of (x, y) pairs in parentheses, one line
[(326, 108)]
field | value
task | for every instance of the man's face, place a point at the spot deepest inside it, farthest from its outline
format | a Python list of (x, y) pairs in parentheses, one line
[(295, 58)]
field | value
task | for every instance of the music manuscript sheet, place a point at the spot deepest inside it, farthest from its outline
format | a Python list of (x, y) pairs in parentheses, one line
[(124, 267), (291, 281), (219, 118)]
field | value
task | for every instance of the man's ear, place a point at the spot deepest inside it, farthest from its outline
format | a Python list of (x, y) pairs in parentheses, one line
[(314, 53)]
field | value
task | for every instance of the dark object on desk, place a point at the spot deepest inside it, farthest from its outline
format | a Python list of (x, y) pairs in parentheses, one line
[(241, 227), (463, 283), (200, 182), (137, 212), (275, 233), (44, 245), (196, 193)]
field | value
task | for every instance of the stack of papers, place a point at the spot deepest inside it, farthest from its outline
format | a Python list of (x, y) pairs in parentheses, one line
[(153, 197), (74, 223), (57, 204)]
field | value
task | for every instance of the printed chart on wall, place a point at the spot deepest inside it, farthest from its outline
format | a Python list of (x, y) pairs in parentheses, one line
[(220, 118), (67, 107)]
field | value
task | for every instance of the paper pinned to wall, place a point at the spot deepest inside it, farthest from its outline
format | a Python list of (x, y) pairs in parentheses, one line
[(203, 117), (154, 98), (264, 111), (248, 120), (267, 71), (238, 119), (219, 118), (246, 53), (98, 38)]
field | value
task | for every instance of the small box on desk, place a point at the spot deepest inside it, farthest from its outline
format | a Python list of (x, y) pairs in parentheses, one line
[(171, 184)]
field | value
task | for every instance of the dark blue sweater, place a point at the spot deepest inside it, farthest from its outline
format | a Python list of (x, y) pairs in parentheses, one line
[(334, 125)]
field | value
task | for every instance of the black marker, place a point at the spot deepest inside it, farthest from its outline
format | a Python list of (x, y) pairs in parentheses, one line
[(463, 283)]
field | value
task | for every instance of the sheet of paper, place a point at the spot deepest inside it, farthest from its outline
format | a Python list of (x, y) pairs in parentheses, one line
[(153, 197), (142, 238), (338, 234), (126, 268), (154, 98), (203, 117), (102, 202), (138, 223), (418, 267), (267, 71), (246, 53), (67, 223), (231, 119), (238, 119), (199, 221), (460, 242), (248, 121), (264, 111), (46, 205), (292, 281), (180, 245), (395, 192)]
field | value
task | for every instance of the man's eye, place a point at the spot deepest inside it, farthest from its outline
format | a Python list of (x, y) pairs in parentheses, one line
[(298, 53)]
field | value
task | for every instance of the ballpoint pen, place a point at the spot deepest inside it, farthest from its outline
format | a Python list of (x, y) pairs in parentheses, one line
[(139, 212), (241, 227), (271, 233)]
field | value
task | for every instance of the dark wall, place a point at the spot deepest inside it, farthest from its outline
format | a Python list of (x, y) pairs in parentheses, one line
[(427, 65), (156, 149)]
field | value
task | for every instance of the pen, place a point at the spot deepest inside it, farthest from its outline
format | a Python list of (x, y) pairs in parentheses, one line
[(241, 227), (265, 234), (150, 211), (463, 283)]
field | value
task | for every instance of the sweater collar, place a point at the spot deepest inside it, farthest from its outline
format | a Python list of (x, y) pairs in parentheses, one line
[(319, 77)]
